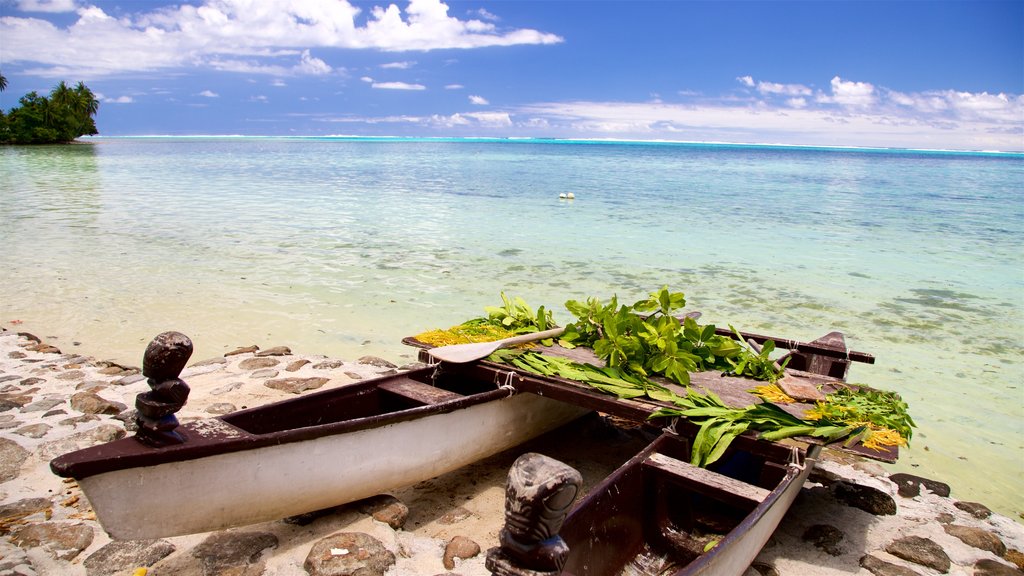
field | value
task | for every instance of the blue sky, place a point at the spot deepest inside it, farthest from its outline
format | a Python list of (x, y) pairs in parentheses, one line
[(915, 74)]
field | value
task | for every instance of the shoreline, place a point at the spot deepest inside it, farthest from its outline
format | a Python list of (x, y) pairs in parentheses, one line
[(822, 534)]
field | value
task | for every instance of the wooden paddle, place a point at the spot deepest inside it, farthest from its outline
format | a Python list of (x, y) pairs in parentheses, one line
[(462, 353)]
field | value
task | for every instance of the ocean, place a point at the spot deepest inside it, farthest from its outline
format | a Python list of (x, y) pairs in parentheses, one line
[(342, 246)]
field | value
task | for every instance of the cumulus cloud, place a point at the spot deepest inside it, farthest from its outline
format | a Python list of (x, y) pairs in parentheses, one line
[(478, 100), (238, 35), (209, 94), (397, 86), (398, 65), (854, 94), (454, 87), (46, 5)]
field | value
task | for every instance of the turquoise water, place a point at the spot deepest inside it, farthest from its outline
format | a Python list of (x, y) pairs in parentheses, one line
[(342, 247)]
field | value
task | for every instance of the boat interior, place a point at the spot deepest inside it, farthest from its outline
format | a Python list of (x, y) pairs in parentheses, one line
[(415, 389), (658, 513)]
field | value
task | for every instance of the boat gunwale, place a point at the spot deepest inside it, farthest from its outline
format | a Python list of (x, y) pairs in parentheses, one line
[(129, 452)]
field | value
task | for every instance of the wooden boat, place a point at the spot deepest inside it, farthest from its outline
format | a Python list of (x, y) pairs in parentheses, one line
[(304, 454), (657, 514)]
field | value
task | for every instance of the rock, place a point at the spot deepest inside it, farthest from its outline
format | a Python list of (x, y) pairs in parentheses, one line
[(12, 456), (129, 380), (257, 363), (868, 499), (1015, 556), (57, 412), (16, 355), (265, 373), (43, 405), (112, 370), (15, 562), (60, 540), (74, 421), (910, 486), (385, 508), (457, 514), (89, 403), (989, 567), (243, 350), (328, 365), (764, 569), (31, 381), (292, 367), (124, 556), (8, 378), (979, 511), (459, 547), (378, 362), (226, 388), (826, 537), (226, 551), (221, 408), (296, 385), (880, 567), (33, 430), (71, 375), (24, 507), (98, 435), (945, 518), (348, 554), (920, 551), (275, 351), (977, 538), (310, 517), (354, 375)]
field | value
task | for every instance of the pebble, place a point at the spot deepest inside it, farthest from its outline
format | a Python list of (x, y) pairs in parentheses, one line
[(989, 567), (257, 363), (296, 385), (348, 553), (295, 365), (923, 551), (977, 538), (378, 362), (90, 403), (275, 351), (265, 373), (328, 365), (459, 547), (243, 350), (880, 567), (387, 509), (979, 511), (33, 430)]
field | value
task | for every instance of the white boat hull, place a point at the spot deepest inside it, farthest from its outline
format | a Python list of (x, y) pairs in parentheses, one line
[(273, 482)]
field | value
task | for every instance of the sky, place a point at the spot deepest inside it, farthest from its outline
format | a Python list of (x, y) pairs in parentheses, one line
[(908, 74)]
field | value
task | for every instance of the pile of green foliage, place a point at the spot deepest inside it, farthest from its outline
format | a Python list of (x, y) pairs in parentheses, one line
[(64, 115)]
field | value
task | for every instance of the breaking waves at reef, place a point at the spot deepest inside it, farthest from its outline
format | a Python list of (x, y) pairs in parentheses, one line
[(342, 247)]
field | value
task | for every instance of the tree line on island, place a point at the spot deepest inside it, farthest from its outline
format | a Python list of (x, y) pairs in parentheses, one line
[(64, 115)]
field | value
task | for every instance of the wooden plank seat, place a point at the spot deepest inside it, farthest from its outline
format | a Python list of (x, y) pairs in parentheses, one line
[(419, 392), (704, 480)]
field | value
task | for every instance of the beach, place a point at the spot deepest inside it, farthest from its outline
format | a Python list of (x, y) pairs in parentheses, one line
[(53, 402), (342, 247)]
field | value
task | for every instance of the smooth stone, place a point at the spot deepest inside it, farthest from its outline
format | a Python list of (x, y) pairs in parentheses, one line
[(12, 456), (455, 515), (257, 363), (226, 388), (98, 435), (328, 365), (825, 537), (376, 361), (57, 412), (43, 405), (33, 430), (60, 540), (387, 509), (354, 375), (232, 551), (348, 554), (128, 380), (459, 547), (111, 371), (989, 567), (16, 355), (74, 421), (275, 351), (296, 385), (32, 381), (1015, 556), (221, 408), (22, 508), (909, 485), (71, 375), (89, 403), (880, 567), (124, 556), (215, 361), (166, 356), (979, 511), (264, 374), (292, 367), (242, 350), (921, 551), (977, 538), (868, 499), (8, 378)]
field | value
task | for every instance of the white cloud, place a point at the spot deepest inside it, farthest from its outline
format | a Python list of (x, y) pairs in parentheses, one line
[(483, 13), (278, 83), (398, 86), (367, 79), (209, 94), (46, 5), (118, 100), (398, 65), (747, 81), (478, 100), (454, 87), (853, 94), (238, 35)]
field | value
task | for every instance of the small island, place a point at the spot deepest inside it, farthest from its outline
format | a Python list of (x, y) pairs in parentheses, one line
[(59, 118)]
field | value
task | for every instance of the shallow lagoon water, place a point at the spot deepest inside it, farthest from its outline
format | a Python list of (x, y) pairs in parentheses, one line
[(342, 247)]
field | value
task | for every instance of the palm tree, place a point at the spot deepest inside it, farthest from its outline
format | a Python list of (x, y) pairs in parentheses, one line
[(87, 102), (3, 83)]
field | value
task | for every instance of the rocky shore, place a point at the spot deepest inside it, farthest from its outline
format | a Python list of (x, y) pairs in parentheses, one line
[(850, 519)]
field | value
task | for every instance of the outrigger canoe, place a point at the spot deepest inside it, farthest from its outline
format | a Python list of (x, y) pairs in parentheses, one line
[(305, 454)]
